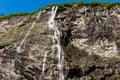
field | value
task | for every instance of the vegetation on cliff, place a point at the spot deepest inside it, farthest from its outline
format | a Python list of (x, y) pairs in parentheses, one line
[(69, 4)]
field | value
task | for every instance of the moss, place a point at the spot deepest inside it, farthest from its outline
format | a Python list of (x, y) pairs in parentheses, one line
[(13, 32), (107, 59), (32, 38), (9, 33), (75, 9), (86, 78), (118, 43), (49, 60), (104, 60), (92, 74), (26, 21), (18, 31), (35, 28), (4, 38), (3, 42)]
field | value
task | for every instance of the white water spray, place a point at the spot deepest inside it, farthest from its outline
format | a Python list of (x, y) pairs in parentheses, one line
[(56, 42), (44, 63), (19, 50)]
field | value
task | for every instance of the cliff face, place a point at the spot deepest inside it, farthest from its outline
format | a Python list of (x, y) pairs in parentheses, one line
[(90, 39)]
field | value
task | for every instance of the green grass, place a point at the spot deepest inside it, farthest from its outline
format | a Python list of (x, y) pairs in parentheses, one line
[(103, 4), (16, 14), (62, 5)]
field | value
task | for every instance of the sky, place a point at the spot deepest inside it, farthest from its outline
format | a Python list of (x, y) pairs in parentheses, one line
[(12, 6)]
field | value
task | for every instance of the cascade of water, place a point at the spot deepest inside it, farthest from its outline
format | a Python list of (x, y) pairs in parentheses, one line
[(19, 50), (56, 42), (44, 63), (43, 67)]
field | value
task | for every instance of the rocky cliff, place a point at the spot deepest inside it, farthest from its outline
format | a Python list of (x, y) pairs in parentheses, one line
[(90, 39)]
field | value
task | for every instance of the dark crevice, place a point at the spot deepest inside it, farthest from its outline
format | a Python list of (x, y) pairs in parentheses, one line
[(28, 77), (3, 46), (75, 72), (91, 69), (36, 70), (65, 38), (29, 72)]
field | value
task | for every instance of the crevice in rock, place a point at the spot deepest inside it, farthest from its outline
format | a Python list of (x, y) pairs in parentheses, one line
[(75, 72), (3, 46), (91, 69), (29, 77), (65, 37)]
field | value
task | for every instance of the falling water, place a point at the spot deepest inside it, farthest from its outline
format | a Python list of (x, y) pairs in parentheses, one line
[(19, 50), (44, 63), (56, 42), (115, 49)]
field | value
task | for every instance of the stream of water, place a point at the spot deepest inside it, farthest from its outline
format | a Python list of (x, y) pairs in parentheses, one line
[(19, 50), (56, 43)]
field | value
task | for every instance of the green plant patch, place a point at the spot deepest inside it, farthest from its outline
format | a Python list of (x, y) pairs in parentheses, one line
[(5, 42)]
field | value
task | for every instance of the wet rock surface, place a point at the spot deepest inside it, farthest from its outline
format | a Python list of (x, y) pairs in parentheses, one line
[(90, 39)]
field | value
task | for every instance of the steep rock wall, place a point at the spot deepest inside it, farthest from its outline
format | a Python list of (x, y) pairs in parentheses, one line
[(89, 37)]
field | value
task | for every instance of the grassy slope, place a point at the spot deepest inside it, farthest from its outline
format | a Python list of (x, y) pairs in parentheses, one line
[(104, 4)]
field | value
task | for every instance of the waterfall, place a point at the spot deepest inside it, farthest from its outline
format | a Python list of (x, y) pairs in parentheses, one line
[(44, 63), (56, 45), (56, 42), (19, 50)]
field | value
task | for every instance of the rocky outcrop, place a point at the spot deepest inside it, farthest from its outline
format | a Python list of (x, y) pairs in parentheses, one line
[(89, 38)]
